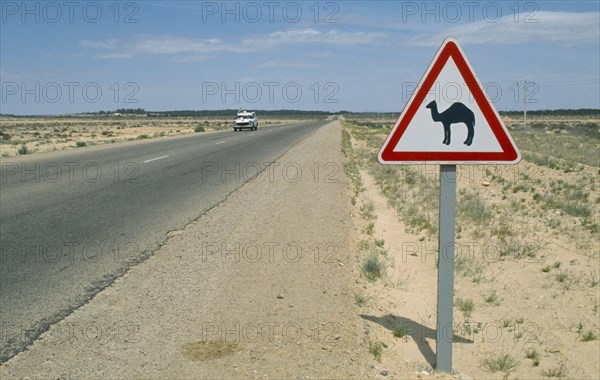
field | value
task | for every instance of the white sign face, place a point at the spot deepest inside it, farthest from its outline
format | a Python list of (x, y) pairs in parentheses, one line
[(448, 119)]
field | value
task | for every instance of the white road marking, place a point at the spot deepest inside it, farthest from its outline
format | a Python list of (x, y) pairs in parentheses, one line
[(219, 142), (157, 158)]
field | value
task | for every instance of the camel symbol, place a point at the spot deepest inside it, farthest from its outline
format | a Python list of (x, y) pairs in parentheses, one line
[(456, 113)]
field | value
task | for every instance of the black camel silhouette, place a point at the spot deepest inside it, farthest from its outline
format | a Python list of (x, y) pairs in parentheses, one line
[(456, 113)]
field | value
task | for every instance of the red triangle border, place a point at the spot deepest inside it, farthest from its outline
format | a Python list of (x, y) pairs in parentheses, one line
[(449, 49)]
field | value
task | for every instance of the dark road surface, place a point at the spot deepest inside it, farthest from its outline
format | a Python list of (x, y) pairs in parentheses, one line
[(72, 222)]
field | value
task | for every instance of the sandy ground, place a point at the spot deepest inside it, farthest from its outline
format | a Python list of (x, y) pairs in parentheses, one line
[(533, 310), (266, 284), (49, 134), (406, 295), (538, 315)]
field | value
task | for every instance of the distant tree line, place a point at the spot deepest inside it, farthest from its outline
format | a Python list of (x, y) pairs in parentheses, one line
[(131, 111), (203, 113), (233, 112), (559, 112), (184, 113), (291, 113)]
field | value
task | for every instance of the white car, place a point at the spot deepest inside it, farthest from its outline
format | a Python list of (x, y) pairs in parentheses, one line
[(245, 119)]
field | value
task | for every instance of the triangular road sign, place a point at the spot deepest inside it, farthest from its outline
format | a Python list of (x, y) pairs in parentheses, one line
[(449, 119)]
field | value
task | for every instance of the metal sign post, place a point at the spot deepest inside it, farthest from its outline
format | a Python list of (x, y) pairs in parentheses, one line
[(445, 292), (416, 138)]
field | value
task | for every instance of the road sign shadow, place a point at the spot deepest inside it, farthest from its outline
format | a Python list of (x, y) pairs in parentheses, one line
[(417, 331)]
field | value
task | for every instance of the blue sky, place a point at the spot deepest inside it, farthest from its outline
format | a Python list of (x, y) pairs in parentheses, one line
[(60, 57)]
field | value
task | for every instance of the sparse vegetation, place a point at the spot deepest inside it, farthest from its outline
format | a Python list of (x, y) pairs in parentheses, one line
[(369, 228), (589, 336), (199, 128), (373, 267), (559, 372), (502, 362), (492, 299), (360, 299), (367, 210), (575, 208), (571, 147), (467, 267), (566, 279), (23, 150), (50, 133), (414, 196), (466, 306), (593, 279), (401, 331), (351, 167), (536, 213), (376, 349), (534, 356), (472, 206)]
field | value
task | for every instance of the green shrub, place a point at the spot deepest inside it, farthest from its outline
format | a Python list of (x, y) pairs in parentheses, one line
[(373, 266), (466, 306), (492, 299), (472, 206), (23, 149), (503, 363), (558, 372), (360, 299), (401, 331), (534, 356), (589, 336), (376, 349)]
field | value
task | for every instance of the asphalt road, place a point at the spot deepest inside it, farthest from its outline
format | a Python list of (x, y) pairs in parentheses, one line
[(73, 222)]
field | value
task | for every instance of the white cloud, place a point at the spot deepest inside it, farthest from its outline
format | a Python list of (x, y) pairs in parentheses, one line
[(185, 49), (561, 28), (309, 35), (6, 75), (115, 56), (193, 49), (101, 44), (192, 58), (175, 45), (285, 63)]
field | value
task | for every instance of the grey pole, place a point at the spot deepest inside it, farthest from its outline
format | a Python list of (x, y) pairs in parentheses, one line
[(445, 295)]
